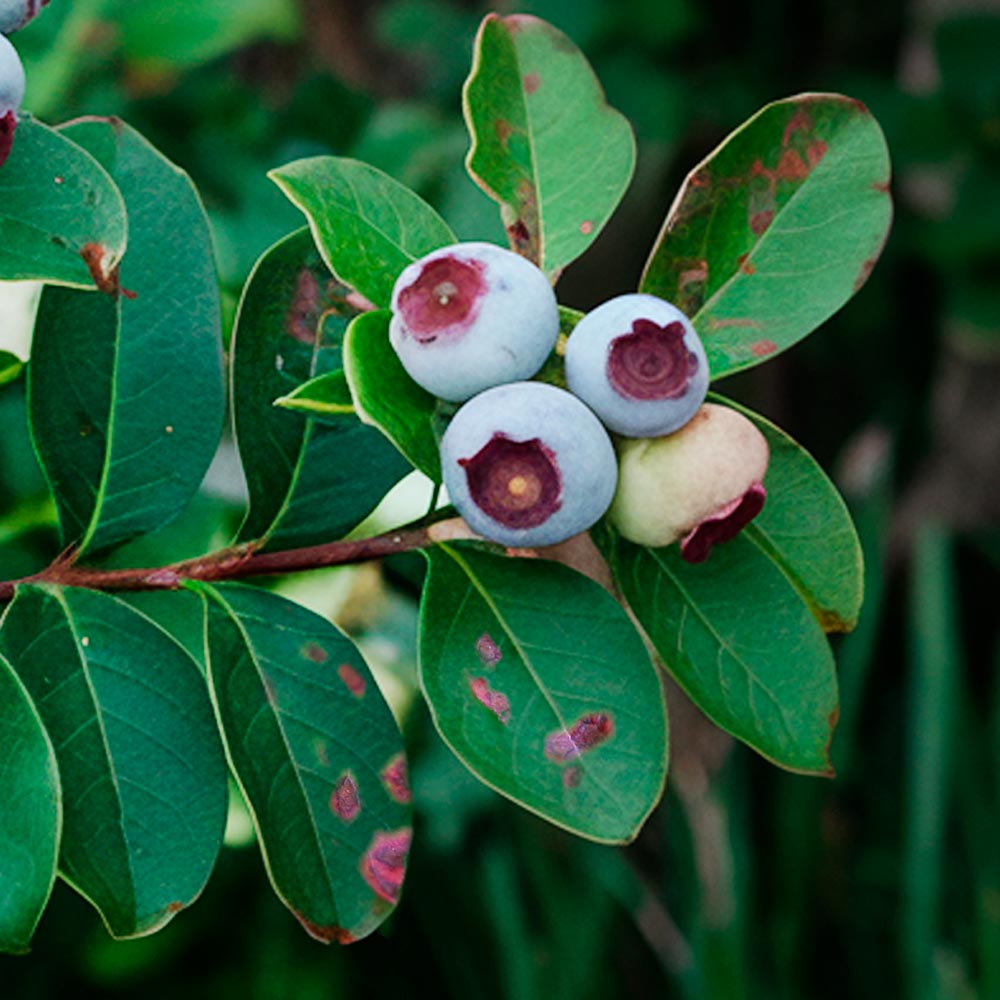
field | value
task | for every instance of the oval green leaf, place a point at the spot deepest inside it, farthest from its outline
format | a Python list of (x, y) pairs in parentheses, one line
[(309, 481), (386, 397), (318, 756), (545, 143), (806, 529), (31, 816), (326, 395), (126, 390), (142, 769), (62, 219), (742, 644), (776, 228), (542, 687), (367, 226)]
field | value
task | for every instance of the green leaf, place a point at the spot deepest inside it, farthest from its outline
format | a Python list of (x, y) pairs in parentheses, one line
[(386, 397), (545, 143), (806, 529), (367, 226), (11, 367), (31, 817), (541, 685), (318, 757), (126, 390), (776, 228), (309, 481), (326, 395), (741, 643), (62, 219), (143, 774), (189, 32)]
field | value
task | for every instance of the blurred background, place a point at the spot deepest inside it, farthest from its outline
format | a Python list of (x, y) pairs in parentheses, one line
[(747, 882)]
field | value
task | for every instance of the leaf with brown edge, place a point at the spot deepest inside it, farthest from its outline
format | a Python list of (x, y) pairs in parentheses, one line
[(545, 143), (776, 228)]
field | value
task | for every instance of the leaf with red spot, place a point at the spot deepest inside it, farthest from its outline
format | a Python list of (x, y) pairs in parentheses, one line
[(126, 391), (740, 641), (60, 211), (317, 754), (807, 531), (776, 228), (545, 143), (311, 477), (368, 227), (570, 721)]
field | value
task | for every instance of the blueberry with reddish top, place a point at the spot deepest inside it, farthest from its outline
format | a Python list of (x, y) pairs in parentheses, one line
[(471, 316), (699, 486), (637, 362), (16, 14), (527, 464), (11, 95)]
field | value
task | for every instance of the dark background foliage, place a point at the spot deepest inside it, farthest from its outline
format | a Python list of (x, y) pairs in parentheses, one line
[(747, 882)]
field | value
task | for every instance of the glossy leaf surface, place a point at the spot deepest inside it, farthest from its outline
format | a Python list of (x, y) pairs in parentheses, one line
[(776, 228), (31, 816), (386, 397), (543, 688), (317, 755), (739, 640), (309, 481), (61, 215), (126, 390), (367, 225), (545, 143), (142, 769)]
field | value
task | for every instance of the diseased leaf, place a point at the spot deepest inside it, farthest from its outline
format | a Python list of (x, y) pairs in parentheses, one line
[(126, 390), (318, 756), (806, 529), (31, 816), (386, 397), (776, 228), (741, 643), (367, 226), (545, 143), (538, 681), (142, 769), (309, 481), (62, 219)]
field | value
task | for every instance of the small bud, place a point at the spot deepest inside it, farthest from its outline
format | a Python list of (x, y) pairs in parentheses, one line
[(699, 486)]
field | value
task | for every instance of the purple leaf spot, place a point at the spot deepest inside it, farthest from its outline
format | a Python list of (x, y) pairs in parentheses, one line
[(723, 525), (571, 776), (497, 702), (383, 865), (532, 81), (344, 801), (315, 653), (488, 651), (395, 777), (588, 732), (352, 679)]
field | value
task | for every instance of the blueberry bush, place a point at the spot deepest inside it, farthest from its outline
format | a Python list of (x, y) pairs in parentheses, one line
[(131, 691)]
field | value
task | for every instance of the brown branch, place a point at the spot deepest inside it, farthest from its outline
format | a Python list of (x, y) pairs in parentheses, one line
[(228, 564)]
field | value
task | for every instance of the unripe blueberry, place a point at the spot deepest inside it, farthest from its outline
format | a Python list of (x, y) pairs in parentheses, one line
[(471, 316), (16, 14), (11, 95), (700, 485), (637, 362), (527, 464)]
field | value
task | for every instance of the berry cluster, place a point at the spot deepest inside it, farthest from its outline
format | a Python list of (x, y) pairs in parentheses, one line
[(528, 464), (14, 14)]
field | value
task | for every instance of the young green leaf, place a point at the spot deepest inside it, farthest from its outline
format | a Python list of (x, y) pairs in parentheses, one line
[(126, 389), (142, 770), (805, 528), (776, 228), (367, 226), (740, 641), (61, 215), (309, 481), (324, 396), (317, 755), (540, 684), (31, 816), (386, 397), (545, 143)]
